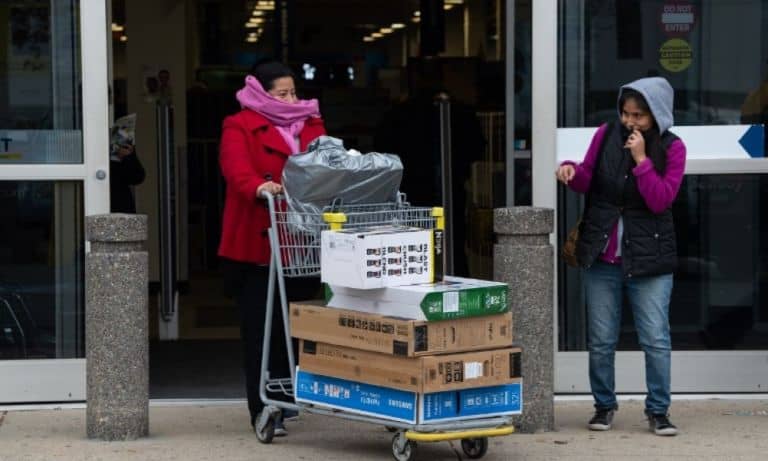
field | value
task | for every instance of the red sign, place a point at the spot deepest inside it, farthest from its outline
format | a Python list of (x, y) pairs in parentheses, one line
[(677, 18)]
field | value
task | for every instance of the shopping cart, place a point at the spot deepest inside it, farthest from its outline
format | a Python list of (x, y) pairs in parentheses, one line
[(295, 243)]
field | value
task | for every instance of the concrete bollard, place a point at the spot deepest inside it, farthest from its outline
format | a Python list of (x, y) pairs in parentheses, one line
[(523, 258), (116, 327)]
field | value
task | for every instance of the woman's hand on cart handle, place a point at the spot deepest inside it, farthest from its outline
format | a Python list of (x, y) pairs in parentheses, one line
[(271, 187)]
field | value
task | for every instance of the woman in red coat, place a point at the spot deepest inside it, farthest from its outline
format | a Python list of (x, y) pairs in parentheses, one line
[(255, 144)]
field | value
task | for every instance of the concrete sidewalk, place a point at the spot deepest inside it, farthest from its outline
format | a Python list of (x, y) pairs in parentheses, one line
[(710, 430)]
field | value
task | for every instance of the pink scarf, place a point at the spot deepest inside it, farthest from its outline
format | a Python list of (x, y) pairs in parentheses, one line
[(288, 118)]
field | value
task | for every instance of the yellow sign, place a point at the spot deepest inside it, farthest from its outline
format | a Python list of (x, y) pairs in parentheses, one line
[(675, 55), (10, 156)]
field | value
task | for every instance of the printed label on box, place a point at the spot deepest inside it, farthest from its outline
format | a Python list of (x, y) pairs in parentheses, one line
[(483, 402), (473, 370), (451, 302), (440, 405), (491, 400), (356, 397)]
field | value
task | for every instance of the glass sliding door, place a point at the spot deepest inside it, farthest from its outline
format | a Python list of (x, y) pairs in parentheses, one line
[(719, 306), (41, 270), (53, 144)]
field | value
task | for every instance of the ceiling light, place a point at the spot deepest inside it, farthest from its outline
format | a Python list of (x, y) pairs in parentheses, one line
[(454, 2), (123, 38), (397, 25), (258, 13), (256, 20), (368, 39), (377, 35), (416, 19), (117, 27), (448, 7), (417, 13), (251, 39), (252, 25), (386, 30), (266, 5)]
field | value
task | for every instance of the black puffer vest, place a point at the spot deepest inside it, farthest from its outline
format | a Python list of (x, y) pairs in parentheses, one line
[(648, 243)]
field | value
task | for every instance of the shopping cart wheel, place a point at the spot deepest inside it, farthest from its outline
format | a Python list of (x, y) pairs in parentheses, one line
[(265, 426), (266, 433), (402, 448), (475, 448)]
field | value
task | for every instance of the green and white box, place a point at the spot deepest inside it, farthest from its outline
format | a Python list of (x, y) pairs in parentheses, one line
[(453, 298)]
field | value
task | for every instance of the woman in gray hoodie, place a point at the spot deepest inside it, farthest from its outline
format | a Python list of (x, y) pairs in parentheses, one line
[(631, 175)]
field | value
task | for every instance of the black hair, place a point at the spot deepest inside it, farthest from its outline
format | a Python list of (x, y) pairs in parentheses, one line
[(267, 71), (629, 93)]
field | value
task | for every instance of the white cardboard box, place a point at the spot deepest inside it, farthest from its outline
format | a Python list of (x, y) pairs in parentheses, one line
[(377, 257)]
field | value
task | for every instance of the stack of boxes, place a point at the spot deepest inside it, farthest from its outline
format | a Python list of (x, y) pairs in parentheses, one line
[(404, 351)]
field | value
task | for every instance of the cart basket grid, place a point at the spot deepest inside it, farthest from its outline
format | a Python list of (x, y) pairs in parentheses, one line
[(298, 233)]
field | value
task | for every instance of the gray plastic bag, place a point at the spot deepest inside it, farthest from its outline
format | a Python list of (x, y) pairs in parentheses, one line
[(327, 172)]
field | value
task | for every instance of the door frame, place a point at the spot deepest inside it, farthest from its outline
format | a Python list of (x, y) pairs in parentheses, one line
[(59, 380), (692, 371)]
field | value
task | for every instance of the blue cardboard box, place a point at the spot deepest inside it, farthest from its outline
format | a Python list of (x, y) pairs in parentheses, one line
[(408, 407), (364, 399), (481, 402)]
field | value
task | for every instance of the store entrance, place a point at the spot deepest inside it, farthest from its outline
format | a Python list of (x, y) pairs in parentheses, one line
[(376, 69)]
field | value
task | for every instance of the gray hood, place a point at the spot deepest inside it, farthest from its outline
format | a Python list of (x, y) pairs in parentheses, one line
[(660, 97)]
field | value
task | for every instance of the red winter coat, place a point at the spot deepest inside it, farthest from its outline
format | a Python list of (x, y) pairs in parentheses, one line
[(252, 150)]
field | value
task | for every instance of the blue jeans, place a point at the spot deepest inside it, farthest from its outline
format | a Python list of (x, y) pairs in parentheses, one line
[(604, 286)]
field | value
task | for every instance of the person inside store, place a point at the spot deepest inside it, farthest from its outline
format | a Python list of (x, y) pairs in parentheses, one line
[(125, 171), (411, 129), (272, 125), (626, 248), (164, 90)]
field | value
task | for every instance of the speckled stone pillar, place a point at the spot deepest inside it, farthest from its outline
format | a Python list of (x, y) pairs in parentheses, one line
[(523, 258), (116, 324)]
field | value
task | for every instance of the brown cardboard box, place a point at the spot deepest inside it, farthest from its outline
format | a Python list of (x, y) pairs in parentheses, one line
[(391, 335), (418, 374)]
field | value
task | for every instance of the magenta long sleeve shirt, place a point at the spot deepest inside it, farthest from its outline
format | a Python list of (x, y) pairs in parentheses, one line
[(658, 191)]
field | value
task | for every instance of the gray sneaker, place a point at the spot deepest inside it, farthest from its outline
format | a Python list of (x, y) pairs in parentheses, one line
[(602, 419), (661, 425), (280, 430)]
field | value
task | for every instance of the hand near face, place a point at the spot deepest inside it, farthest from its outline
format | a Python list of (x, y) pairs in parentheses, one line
[(565, 173), (125, 150), (636, 145)]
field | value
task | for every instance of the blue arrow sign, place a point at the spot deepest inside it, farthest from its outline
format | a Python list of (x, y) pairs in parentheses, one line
[(753, 141)]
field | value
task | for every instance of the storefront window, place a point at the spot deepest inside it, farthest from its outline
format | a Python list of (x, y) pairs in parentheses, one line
[(41, 270), (40, 110), (720, 297), (715, 55)]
